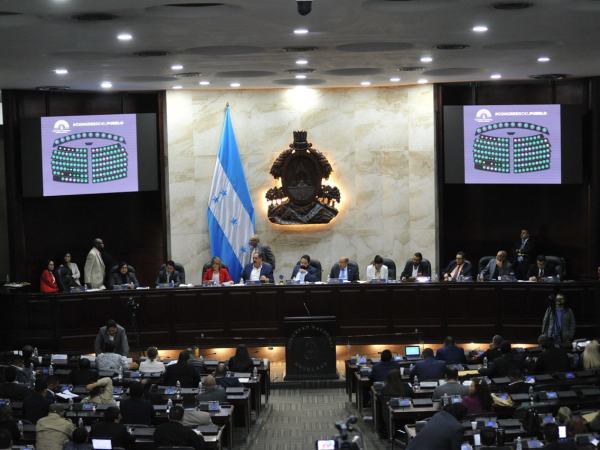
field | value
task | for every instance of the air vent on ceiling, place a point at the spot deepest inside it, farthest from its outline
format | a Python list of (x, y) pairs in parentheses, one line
[(151, 53), (300, 71), (511, 6), (451, 46), (300, 49), (549, 76), (410, 69), (95, 17), (188, 74), (52, 88), (194, 5)]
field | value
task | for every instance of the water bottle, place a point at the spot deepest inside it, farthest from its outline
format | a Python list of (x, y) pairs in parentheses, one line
[(201, 386), (557, 278), (70, 404), (80, 422), (255, 374), (20, 425), (531, 393), (51, 359), (416, 383), (120, 377), (170, 404), (178, 385), (51, 369), (519, 444), (446, 399), (485, 362), (35, 352), (434, 276)]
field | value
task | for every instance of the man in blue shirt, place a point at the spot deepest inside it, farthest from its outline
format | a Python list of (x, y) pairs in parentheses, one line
[(450, 353)]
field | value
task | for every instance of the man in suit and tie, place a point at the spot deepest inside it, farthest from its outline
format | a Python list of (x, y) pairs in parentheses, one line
[(540, 270), (94, 269), (450, 353), (414, 267), (521, 252), (212, 392), (343, 271), (497, 267), (460, 266), (304, 271), (169, 275), (114, 333), (258, 270), (429, 368), (263, 249)]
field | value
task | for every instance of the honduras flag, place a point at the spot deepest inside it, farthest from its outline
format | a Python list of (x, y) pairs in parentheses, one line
[(230, 209)]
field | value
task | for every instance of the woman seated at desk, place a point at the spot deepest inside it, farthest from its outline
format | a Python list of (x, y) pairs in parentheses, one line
[(152, 364), (377, 271), (395, 387), (47, 281), (241, 362), (216, 272), (479, 400), (123, 276), (75, 273), (590, 358)]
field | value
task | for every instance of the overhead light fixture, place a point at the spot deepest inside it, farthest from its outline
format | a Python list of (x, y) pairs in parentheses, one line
[(365, 83), (177, 87), (426, 59), (543, 59), (395, 79), (106, 84), (235, 85), (124, 37), (301, 77), (204, 83), (496, 76), (423, 80), (480, 29), (61, 71), (177, 67), (302, 61), (301, 31)]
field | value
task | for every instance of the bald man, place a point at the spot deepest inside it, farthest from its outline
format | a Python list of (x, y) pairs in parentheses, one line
[(265, 250), (497, 267), (344, 271)]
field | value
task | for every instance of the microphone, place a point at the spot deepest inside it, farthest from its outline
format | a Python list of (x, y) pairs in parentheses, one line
[(208, 354), (276, 376), (306, 307)]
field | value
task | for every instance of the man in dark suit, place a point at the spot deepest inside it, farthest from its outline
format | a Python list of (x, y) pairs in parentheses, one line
[(182, 372), (380, 370), (304, 271), (155, 399), (212, 391), (197, 364), (135, 409), (169, 275), (450, 353), (497, 267), (493, 352), (223, 380), (174, 433), (52, 386), (443, 431), (460, 266), (343, 271), (10, 389), (540, 270), (114, 333), (112, 428), (500, 367), (84, 375), (429, 368), (522, 253), (414, 267), (552, 359), (550, 431), (517, 383), (263, 249), (37, 405), (258, 270)]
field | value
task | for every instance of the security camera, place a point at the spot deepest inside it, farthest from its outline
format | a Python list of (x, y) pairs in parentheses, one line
[(304, 7)]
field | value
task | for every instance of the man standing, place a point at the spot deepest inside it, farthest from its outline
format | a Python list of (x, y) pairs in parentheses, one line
[(497, 267), (174, 433), (540, 270), (53, 431), (450, 353), (343, 271), (520, 253), (257, 270), (169, 275), (114, 333), (559, 322), (416, 267), (94, 269), (304, 271), (265, 250), (460, 266)]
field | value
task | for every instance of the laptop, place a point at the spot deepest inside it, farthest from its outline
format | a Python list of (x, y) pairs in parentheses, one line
[(412, 352), (102, 444)]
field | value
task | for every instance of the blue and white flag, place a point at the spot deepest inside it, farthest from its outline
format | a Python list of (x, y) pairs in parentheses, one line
[(230, 209)]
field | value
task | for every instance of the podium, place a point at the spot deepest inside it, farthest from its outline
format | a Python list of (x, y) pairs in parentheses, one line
[(310, 348)]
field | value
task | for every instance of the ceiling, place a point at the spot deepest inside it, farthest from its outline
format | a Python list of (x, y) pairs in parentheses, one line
[(243, 41)]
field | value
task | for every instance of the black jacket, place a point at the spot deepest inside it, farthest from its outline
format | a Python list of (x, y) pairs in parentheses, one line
[(174, 278), (226, 382), (35, 407), (182, 372), (14, 391), (175, 434), (137, 411), (117, 433), (501, 366), (551, 361), (424, 268)]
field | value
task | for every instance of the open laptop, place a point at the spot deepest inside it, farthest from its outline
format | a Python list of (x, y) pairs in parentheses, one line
[(412, 352), (102, 444)]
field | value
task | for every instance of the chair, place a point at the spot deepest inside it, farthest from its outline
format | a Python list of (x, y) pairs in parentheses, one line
[(400, 439), (63, 280), (483, 262), (208, 264), (113, 270), (317, 265), (391, 265), (559, 264), (179, 268)]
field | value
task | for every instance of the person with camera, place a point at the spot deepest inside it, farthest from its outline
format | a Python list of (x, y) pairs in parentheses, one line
[(114, 333), (559, 321)]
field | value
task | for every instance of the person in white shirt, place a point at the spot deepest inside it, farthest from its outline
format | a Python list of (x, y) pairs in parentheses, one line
[(377, 270), (75, 273), (258, 270), (151, 365)]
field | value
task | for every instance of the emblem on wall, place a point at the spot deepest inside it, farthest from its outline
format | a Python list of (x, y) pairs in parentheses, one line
[(302, 197)]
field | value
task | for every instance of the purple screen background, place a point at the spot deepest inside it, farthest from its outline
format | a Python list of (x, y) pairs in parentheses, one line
[(127, 129), (551, 121)]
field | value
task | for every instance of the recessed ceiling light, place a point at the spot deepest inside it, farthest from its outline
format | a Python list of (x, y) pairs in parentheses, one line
[(302, 61), (480, 29), (423, 81), (426, 59), (177, 87), (204, 83), (394, 79), (543, 59), (177, 67), (365, 83), (235, 85), (106, 84), (301, 31), (124, 37), (496, 76), (301, 77), (61, 71)]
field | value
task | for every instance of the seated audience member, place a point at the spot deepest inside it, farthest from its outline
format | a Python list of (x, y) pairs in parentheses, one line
[(590, 358), (135, 409), (37, 405), (223, 380), (343, 271), (169, 275), (7, 422), (115, 333), (450, 353), (125, 277), (111, 428), (191, 416), (540, 270), (380, 370), (6, 440), (74, 270), (155, 399), (241, 362), (443, 431), (152, 365), (216, 272), (100, 392), (80, 440), (377, 270), (497, 267), (428, 369), (501, 366), (416, 267), (479, 399), (451, 386), (493, 352), (52, 387), (552, 359), (29, 361), (304, 272), (174, 433), (47, 280), (395, 387), (258, 270), (181, 371), (550, 431), (110, 361), (517, 384), (11, 389), (53, 431), (212, 391), (574, 426), (456, 268), (23, 376), (559, 321), (197, 363), (84, 375), (488, 439)]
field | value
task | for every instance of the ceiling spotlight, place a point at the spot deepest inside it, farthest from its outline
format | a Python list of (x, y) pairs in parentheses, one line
[(426, 59), (302, 62), (235, 85), (177, 87), (304, 7), (496, 76), (204, 83), (61, 71), (543, 59), (177, 67), (106, 84), (301, 31), (423, 81), (365, 83), (480, 29), (301, 77), (124, 37), (394, 79)]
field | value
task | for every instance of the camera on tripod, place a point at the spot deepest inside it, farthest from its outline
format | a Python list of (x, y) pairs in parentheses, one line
[(132, 305), (342, 440)]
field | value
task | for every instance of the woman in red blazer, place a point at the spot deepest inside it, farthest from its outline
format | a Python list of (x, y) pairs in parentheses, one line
[(47, 281), (216, 268)]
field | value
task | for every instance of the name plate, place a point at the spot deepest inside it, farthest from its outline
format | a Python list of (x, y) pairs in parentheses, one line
[(253, 283), (120, 287), (78, 288), (292, 282), (209, 283), (164, 285), (381, 281), (335, 281)]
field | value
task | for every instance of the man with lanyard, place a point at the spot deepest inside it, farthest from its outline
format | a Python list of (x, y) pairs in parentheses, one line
[(559, 322)]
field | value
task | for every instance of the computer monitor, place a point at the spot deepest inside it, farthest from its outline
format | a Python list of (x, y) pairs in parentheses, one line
[(412, 350)]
